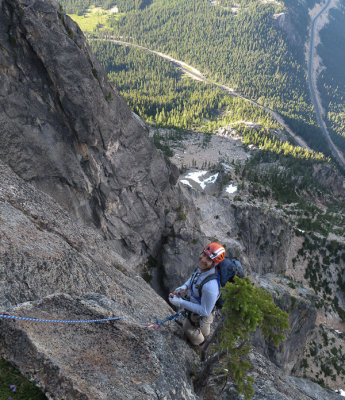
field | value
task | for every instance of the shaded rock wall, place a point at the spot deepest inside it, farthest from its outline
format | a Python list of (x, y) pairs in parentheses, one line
[(77, 167), (66, 129), (299, 303)]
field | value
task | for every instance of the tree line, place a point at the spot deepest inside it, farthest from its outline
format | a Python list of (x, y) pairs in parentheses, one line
[(245, 50), (163, 96)]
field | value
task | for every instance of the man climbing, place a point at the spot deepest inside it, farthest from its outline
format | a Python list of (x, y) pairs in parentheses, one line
[(200, 305)]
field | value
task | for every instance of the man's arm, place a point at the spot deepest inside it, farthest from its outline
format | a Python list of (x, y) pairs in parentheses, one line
[(210, 294)]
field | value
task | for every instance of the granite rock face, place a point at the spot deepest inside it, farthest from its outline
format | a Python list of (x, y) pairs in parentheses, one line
[(286, 21), (258, 236), (272, 384), (299, 303), (66, 130), (329, 177), (84, 198), (53, 267)]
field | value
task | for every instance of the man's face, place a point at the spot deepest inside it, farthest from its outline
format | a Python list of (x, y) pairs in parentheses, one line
[(205, 262)]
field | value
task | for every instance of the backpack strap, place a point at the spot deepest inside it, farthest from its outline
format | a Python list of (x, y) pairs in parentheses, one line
[(207, 279)]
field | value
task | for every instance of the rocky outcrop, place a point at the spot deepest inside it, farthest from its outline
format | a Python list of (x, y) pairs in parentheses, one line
[(331, 179), (66, 130), (299, 303), (110, 360), (284, 21), (323, 357), (53, 267), (84, 198), (259, 236), (271, 384)]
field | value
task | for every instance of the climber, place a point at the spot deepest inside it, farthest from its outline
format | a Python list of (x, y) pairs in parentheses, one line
[(199, 309)]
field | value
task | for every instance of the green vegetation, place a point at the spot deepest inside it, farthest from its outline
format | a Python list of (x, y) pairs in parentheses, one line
[(266, 140), (156, 90), (94, 19), (246, 309), (24, 390), (80, 7), (288, 179), (245, 50), (332, 79), (148, 269), (243, 47)]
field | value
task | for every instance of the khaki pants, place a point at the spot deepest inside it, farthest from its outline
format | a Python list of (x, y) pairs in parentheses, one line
[(197, 334)]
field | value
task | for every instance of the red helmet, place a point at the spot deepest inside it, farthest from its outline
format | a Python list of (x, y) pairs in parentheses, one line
[(215, 251)]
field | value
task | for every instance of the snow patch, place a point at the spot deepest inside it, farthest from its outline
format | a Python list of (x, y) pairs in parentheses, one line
[(114, 10), (186, 183), (231, 189), (211, 179), (341, 392), (196, 177)]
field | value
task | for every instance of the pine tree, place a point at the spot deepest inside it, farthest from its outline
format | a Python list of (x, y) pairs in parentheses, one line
[(246, 308)]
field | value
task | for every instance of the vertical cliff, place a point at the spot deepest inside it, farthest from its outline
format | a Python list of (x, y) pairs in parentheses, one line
[(66, 130)]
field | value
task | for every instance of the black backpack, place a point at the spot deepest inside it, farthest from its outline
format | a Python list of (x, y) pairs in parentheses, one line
[(226, 271)]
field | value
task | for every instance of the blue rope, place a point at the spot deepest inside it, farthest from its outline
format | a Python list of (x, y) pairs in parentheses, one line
[(171, 318), (156, 325), (58, 320)]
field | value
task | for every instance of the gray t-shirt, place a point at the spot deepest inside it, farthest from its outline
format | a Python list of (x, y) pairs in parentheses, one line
[(210, 293)]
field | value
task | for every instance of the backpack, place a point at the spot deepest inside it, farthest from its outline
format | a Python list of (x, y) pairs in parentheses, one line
[(225, 272)]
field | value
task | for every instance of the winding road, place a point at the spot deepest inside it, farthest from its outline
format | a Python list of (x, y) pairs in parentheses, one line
[(195, 74), (312, 79)]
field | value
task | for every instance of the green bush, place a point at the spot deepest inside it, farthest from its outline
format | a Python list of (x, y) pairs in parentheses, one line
[(24, 389), (246, 308)]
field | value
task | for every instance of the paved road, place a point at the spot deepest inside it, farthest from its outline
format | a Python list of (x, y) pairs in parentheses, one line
[(313, 91), (194, 73)]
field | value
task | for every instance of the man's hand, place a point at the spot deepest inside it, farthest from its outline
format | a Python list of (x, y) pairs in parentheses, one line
[(176, 301), (177, 292)]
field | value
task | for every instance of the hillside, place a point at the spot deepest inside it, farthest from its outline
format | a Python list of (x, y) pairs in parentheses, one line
[(255, 47), (332, 82), (91, 212)]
